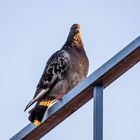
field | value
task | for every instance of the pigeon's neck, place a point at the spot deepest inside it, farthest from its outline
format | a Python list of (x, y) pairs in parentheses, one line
[(74, 40), (72, 36)]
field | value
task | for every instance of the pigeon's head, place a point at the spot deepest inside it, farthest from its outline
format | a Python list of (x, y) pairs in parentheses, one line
[(74, 34), (75, 28)]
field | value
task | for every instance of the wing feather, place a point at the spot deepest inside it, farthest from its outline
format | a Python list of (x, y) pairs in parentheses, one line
[(54, 72)]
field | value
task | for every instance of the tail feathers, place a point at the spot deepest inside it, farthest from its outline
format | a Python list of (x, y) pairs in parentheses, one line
[(36, 114)]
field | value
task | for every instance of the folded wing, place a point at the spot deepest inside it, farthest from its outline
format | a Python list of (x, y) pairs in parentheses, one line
[(54, 72)]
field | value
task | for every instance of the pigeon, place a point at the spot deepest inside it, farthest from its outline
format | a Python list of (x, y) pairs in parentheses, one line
[(64, 70)]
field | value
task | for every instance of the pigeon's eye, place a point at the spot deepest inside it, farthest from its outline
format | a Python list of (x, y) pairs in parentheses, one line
[(77, 31)]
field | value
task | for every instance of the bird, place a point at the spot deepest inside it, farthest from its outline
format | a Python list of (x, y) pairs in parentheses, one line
[(65, 69)]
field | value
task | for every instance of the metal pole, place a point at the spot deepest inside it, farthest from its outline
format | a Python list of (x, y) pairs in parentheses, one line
[(98, 112)]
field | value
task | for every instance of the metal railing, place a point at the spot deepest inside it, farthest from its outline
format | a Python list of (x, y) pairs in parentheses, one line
[(91, 87)]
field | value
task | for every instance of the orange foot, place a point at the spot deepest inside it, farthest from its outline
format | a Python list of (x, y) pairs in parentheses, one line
[(60, 97)]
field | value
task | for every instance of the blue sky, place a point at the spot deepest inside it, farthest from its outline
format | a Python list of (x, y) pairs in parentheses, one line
[(30, 31)]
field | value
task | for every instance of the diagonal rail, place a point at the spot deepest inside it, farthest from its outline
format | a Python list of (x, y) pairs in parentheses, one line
[(82, 93)]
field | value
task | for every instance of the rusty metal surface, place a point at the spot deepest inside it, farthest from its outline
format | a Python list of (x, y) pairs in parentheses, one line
[(81, 94)]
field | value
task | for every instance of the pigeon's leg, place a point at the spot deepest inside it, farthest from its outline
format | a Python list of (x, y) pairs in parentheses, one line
[(60, 97)]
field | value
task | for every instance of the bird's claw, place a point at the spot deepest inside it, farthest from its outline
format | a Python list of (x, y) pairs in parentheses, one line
[(60, 98)]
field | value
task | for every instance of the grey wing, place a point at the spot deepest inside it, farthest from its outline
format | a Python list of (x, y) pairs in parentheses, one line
[(54, 71)]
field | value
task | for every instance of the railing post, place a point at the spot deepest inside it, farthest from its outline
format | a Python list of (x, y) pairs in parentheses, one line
[(98, 112)]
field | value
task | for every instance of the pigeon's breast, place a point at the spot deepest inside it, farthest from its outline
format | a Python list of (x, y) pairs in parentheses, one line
[(76, 72), (74, 79), (65, 85), (75, 75)]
